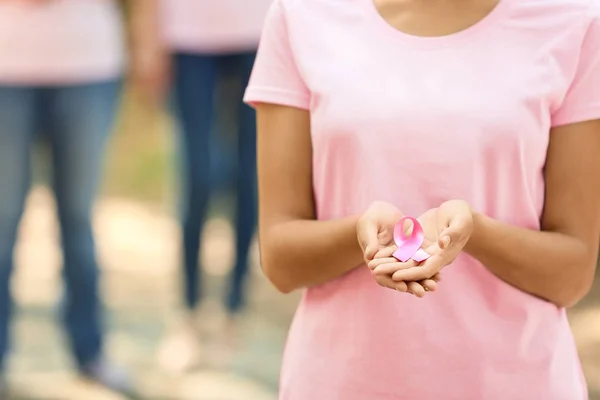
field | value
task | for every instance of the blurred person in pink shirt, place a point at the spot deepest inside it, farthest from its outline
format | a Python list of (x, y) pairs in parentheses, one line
[(210, 40), (61, 68)]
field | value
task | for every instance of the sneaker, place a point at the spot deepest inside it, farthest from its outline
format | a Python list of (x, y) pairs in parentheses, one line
[(181, 350), (109, 376), (227, 343)]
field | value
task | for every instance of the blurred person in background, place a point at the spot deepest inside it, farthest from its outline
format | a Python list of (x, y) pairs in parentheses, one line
[(61, 67), (207, 38)]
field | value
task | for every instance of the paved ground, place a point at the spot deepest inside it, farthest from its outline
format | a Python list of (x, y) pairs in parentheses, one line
[(138, 249)]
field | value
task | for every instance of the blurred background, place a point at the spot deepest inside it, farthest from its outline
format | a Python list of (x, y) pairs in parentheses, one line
[(139, 242), (224, 347)]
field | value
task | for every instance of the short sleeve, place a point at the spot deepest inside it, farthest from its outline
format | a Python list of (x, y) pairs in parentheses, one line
[(582, 101), (275, 77)]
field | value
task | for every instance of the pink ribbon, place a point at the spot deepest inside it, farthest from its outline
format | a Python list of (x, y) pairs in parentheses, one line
[(409, 246)]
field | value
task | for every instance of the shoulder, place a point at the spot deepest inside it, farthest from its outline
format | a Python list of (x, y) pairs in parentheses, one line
[(306, 8), (288, 9), (556, 26), (295, 5), (573, 13), (594, 13), (307, 19)]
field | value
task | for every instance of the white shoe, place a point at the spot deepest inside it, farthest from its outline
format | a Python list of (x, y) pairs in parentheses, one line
[(226, 345), (181, 350)]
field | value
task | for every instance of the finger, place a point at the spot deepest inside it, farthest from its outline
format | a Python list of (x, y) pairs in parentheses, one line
[(445, 240), (437, 277), (416, 289), (401, 286), (454, 233), (386, 282), (391, 268), (386, 252), (430, 285), (425, 271), (376, 262)]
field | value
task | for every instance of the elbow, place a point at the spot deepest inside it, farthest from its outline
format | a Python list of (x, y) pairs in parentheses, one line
[(580, 286), (572, 297), (568, 301), (281, 283), (272, 269), (275, 262)]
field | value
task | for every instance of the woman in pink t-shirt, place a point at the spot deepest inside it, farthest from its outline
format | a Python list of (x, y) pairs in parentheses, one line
[(479, 117)]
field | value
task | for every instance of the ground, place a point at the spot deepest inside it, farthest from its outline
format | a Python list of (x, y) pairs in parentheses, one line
[(138, 248)]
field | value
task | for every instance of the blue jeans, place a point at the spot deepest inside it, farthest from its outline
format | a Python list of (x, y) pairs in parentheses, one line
[(196, 77), (77, 120)]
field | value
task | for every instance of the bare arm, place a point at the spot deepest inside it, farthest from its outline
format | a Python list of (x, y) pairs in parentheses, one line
[(296, 250), (150, 66), (145, 21), (558, 263)]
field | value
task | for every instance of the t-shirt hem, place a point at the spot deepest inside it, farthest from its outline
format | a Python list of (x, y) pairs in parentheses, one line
[(256, 95), (191, 47), (61, 76), (580, 115)]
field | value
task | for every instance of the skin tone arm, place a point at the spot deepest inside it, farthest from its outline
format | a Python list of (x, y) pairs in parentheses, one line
[(559, 262), (296, 250), (150, 58)]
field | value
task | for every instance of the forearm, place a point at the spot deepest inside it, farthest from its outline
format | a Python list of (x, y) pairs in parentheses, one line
[(549, 265), (303, 253), (145, 24)]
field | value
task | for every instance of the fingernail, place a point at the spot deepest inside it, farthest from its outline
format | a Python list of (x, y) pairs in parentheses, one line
[(446, 241)]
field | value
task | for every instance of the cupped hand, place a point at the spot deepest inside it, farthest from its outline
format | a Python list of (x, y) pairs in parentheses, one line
[(447, 230), (384, 258), (375, 233)]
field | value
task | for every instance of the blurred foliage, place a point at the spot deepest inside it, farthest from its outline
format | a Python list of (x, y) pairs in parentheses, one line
[(141, 155), (142, 158)]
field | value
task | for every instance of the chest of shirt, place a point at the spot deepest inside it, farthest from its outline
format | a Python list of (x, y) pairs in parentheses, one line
[(380, 90), (498, 88)]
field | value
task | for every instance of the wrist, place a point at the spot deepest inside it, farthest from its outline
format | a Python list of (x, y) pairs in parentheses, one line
[(356, 249), (354, 222), (476, 231)]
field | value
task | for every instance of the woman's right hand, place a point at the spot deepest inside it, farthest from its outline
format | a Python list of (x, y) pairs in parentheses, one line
[(375, 233)]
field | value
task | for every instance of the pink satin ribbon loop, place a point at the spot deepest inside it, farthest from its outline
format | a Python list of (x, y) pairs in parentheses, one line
[(409, 247)]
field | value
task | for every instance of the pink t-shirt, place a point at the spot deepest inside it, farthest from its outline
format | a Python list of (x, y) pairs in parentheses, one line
[(60, 41), (416, 121), (214, 26)]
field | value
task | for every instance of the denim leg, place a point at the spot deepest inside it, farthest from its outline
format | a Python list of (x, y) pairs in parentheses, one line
[(195, 76), (246, 204), (17, 125), (81, 119)]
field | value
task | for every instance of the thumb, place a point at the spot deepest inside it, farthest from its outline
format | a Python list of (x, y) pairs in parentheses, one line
[(445, 239), (452, 234)]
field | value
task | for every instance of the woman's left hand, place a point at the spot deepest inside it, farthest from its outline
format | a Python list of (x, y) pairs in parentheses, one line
[(447, 230)]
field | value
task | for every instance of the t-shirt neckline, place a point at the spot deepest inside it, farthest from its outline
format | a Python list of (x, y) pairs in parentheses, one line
[(436, 41)]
